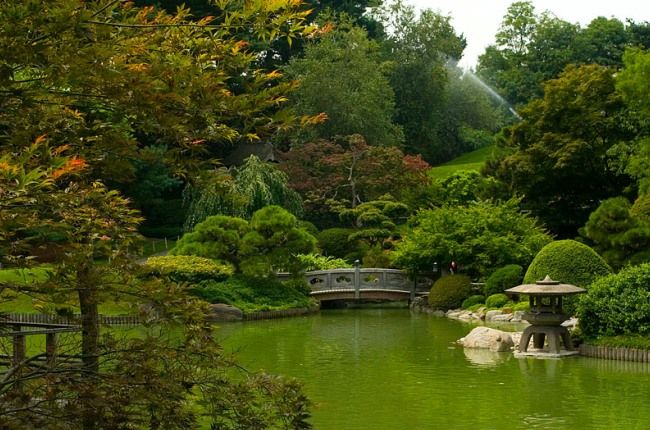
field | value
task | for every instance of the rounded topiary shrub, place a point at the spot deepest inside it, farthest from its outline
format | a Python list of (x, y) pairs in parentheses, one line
[(569, 262), (473, 300), (186, 268), (497, 300), (449, 292), (617, 304), (506, 277)]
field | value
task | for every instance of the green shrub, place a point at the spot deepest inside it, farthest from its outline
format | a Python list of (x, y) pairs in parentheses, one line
[(506, 277), (184, 268), (252, 294), (334, 242), (479, 237), (274, 240), (497, 301), (522, 305), (631, 341), (321, 262), (472, 300), (217, 237), (617, 304), (569, 262), (449, 292)]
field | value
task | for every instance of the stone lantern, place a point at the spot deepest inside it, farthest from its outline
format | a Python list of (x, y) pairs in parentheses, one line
[(546, 317)]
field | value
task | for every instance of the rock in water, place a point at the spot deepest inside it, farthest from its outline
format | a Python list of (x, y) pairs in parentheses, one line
[(489, 338), (223, 312)]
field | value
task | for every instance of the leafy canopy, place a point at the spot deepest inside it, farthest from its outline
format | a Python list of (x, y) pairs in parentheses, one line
[(480, 237)]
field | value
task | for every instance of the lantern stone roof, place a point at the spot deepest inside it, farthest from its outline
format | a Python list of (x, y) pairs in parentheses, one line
[(546, 287)]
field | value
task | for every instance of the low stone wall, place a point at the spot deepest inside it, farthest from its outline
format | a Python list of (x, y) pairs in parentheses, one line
[(266, 315), (615, 353)]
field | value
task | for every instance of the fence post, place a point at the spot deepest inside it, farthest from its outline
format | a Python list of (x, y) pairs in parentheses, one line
[(357, 279), (413, 288), (50, 348), (19, 347)]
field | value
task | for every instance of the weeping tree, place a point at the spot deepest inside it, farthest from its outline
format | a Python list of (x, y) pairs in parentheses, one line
[(240, 192)]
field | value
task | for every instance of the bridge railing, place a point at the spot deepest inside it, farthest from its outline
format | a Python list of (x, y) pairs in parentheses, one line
[(358, 279)]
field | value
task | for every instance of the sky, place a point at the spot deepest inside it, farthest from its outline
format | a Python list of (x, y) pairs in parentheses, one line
[(479, 20)]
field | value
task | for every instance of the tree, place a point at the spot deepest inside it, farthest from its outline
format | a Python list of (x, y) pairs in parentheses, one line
[(481, 237), (342, 77), (218, 237), (620, 236), (241, 192), (602, 42), (334, 175), (532, 48), (97, 76), (273, 243), (419, 49), (558, 157), (92, 76)]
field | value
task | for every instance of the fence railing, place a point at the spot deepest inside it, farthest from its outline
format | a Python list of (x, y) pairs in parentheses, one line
[(74, 320)]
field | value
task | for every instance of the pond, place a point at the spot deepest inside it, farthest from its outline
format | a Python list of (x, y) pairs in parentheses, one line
[(389, 369)]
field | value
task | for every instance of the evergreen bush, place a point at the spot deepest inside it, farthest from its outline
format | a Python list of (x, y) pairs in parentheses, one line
[(506, 277), (569, 262), (217, 237), (185, 268), (618, 304), (449, 292), (497, 300), (473, 300)]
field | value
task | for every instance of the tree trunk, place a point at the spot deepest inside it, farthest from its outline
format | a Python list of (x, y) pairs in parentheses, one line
[(87, 292)]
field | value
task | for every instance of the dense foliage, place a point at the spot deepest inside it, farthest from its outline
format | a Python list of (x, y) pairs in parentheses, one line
[(251, 294), (503, 278), (218, 237), (240, 192), (618, 304), (479, 237), (85, 86), (569, 262), (557, 156), (335, 242), (184, 268), (311, 262), (449, 292), (342, 77), (273, 242), (532, 48), (496, 300), (331, 176), (268, 243), (472, 300), (621, 235)]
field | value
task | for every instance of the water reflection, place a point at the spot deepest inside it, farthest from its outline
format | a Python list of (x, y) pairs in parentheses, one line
[(484, 357)]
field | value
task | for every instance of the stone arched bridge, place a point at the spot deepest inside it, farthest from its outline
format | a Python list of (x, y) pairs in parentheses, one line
[(366, 284)]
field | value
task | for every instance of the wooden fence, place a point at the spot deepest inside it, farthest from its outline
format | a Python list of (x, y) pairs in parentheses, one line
[(74, 320)]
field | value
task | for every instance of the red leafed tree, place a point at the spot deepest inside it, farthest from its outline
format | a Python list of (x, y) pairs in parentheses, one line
[(334, 175)]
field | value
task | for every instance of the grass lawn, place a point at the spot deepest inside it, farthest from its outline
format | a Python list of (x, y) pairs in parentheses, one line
[(154, 246), (24, 303), (470, 161)]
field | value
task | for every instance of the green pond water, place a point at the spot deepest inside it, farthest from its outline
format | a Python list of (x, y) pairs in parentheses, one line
[(389, 369)]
